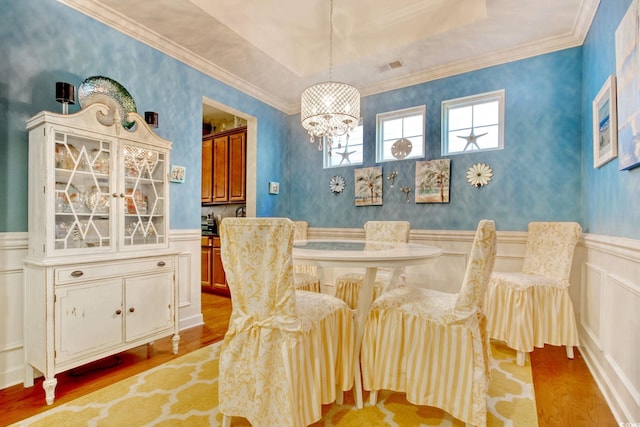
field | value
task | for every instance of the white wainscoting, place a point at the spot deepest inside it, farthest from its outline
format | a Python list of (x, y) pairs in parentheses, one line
[(609, 318), (605, 291), (13, 249), (187, 243)]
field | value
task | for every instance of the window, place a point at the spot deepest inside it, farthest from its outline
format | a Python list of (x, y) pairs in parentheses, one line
[(474, 123), (400, 134), (345, 151)]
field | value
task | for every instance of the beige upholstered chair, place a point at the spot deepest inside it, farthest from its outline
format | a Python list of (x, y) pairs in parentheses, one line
[(348, 284), (433, 345), (533, 307), (305, 276), (286, 352)]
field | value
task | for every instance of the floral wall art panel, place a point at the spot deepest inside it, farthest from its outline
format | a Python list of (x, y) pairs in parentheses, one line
[(368, 186), (432, 181)]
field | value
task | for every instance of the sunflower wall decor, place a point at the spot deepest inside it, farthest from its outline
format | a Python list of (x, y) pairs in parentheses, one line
[(479, 175)]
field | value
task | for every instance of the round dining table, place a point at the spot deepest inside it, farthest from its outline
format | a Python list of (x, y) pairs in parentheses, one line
[(369, 255)]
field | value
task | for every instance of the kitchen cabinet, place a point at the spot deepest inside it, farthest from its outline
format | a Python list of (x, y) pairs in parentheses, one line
[(206, 262), (207, 170), (213, 277), (99, 277), (226, 153)]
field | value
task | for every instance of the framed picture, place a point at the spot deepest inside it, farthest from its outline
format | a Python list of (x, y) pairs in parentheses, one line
[(178, 174), (432, 181), (628, 81), (274, 187), (368, 186), (605, 126)]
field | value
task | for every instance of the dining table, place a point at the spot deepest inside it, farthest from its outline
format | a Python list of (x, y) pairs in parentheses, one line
[(367, 255)]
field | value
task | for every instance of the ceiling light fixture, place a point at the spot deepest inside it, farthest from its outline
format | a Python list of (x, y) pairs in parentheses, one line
[(329, 109)]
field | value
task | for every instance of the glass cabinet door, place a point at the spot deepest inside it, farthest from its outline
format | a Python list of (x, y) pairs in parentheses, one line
[(144, 196), (82, 199)]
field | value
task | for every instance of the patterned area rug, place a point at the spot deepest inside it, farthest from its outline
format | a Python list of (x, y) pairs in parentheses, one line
[(184, 392)]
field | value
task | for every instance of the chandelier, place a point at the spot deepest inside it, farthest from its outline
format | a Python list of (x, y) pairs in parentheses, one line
[(329, 109)]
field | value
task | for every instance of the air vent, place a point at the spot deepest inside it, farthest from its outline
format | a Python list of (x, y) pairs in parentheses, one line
[(391, 66)]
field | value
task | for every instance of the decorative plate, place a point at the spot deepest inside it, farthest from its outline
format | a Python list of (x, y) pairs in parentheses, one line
[(110, 92), (479, 175), (401, 148), (337, 184)]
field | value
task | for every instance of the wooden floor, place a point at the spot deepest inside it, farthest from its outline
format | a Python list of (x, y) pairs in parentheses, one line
[(566, 394)]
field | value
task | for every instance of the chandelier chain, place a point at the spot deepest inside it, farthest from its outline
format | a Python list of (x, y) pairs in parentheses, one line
[(331, 42)]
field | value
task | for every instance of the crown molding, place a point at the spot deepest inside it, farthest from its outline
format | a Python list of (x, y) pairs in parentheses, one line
[(127, 26)]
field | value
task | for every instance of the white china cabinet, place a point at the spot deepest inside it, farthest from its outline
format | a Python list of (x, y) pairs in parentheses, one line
[(99, 277)]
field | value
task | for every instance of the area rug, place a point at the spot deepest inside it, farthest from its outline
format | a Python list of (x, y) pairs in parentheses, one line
[(184, 392)]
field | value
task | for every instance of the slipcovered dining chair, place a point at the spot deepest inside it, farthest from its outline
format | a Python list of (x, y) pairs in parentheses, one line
[(433, 345), (348, 284), (305, 276), (533, 307), (286, 352)]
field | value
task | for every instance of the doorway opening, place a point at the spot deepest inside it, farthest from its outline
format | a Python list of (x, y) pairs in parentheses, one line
[(217, 117)]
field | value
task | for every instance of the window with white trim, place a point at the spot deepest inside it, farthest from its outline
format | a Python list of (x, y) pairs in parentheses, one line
[(473, 123), (345, 151), (400, 134)]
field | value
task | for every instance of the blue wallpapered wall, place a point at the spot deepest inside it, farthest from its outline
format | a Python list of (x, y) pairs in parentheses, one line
[(544, 172), (536, 176), (43, 41), (611, 197)]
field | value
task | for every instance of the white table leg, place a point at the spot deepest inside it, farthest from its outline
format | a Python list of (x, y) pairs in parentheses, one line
[(362, 310)]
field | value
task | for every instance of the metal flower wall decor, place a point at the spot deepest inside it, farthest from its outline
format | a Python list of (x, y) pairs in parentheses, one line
[(479, 175)]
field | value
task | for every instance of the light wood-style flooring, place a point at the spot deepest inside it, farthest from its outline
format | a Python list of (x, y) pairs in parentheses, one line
[(566, 394)]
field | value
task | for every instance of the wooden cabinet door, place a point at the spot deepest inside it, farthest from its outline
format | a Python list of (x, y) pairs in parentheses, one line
[(237, 166), (220, 169), (219, 276), (148, 305), (206, 266), (207, 176), (88, 319)]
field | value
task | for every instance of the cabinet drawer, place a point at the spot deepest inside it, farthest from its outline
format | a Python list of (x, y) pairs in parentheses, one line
[(80, 273)]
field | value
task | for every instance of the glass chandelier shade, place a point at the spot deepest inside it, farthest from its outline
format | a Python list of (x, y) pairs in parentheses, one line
[(329, 109)]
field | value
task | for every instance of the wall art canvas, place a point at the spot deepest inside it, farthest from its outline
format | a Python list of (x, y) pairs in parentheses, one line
[(605, 128), (368, 186), (178, 174), (628, 89), (432, 181)]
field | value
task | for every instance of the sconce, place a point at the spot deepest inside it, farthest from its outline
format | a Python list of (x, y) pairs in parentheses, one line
[(392, 177), (151, 117), (406, 190), (65, 94)]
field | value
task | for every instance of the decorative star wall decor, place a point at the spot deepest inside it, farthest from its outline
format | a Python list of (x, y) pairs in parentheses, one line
[(345, 155), (471, 139)]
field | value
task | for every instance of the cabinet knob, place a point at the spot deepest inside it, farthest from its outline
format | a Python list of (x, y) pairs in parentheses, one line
[(122, 195), (161, 264), (118, 312), (131, 310), (114, 195), (76, 273)]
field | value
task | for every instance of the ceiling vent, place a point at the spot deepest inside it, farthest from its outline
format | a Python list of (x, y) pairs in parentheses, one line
[(393, 65)]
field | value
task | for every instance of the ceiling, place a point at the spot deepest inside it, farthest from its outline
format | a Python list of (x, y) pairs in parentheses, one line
[(274, 49)]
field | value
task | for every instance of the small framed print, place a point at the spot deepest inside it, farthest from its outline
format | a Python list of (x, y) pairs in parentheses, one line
[(605, 124), (178, 174), (274, 187)]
